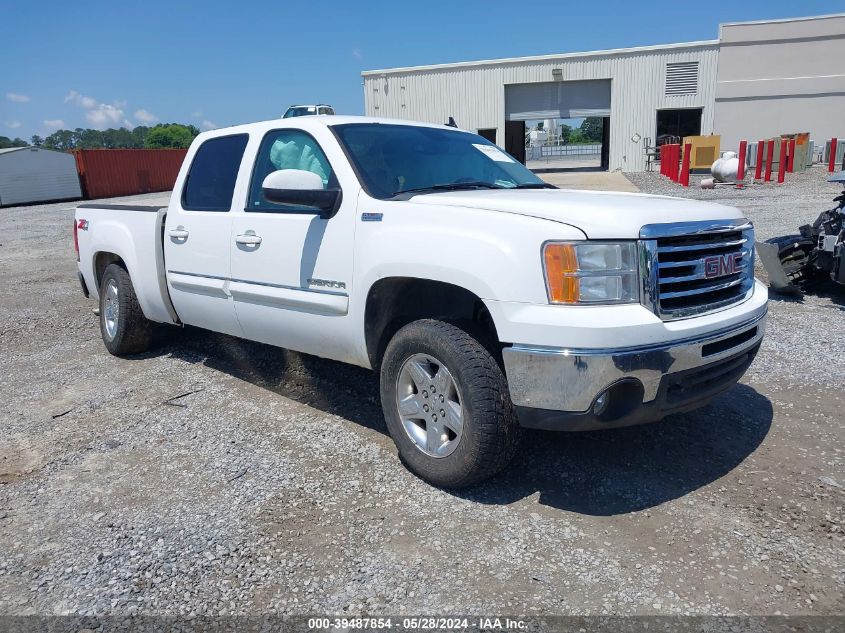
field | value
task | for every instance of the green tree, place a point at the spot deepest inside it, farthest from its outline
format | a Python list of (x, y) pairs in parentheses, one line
[(565, 132), (577, 137), (140, 135), (62, 140), (36, 140), (6, 142), (89, 139), (166, 135), (591, 128)]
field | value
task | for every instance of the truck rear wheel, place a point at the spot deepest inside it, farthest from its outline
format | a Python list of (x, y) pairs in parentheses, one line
[(446, 404), (123, 326)]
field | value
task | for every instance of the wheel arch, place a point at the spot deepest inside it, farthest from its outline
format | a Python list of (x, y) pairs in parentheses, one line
[(393, 302), (101, 261)]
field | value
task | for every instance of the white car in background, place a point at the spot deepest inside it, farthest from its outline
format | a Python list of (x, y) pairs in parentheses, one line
[(308, 110)]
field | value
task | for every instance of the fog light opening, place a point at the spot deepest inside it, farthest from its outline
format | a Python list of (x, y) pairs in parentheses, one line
[(618, 400), (601, 403)]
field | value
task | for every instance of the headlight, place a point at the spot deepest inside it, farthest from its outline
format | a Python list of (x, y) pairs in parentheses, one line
[(591, 272)]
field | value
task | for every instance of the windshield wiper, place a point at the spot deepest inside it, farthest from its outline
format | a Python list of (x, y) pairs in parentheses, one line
[(535, 185), (452, 186)]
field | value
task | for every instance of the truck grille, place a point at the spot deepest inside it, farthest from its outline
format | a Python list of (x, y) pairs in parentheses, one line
[(696, 267)]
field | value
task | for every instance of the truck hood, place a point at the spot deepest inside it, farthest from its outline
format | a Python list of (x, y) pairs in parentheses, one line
[(599, 214)]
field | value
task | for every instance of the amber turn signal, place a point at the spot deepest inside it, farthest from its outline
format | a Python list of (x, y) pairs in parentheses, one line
[(561, 261)]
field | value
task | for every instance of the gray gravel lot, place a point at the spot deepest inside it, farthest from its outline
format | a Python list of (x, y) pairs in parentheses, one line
[(218, 476)]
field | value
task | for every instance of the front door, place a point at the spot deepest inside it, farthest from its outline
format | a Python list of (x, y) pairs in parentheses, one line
[(292, 269), (197, 236)]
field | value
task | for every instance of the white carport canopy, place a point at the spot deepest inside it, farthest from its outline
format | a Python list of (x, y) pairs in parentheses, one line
[(557, 100)]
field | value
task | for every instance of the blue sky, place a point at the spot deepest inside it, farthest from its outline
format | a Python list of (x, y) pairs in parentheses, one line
[(106, 64)]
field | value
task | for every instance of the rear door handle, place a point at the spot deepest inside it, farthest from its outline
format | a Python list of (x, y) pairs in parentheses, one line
[(248, 239), (179, 233)]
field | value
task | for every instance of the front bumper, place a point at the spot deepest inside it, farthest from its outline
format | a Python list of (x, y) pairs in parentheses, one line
[(557, 388)]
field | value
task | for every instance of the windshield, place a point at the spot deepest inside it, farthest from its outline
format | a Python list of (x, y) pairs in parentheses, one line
[(300, 111), (392, 159)]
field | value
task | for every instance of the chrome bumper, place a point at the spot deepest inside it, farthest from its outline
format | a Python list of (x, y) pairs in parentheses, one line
[(570, 380)]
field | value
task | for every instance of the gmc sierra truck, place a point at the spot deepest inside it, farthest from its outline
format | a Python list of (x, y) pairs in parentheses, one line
[(487, 300)]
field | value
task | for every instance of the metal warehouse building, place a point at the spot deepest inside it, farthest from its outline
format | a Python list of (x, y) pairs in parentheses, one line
[(759, 79), (33, 174)]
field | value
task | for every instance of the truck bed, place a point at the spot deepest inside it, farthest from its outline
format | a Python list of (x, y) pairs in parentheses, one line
[(133, 234)]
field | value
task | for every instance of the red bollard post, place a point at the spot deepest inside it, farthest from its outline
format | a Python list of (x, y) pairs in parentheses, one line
[(672, 163), (770, 156), (790, 165), (676, 157), (831, 164), (670, 157), (664, 161), (758, 170), (670, 150), (685, 165), (740, 170), (782, 160)]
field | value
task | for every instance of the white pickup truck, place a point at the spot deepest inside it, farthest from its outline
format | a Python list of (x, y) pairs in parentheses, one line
[(488, 300)]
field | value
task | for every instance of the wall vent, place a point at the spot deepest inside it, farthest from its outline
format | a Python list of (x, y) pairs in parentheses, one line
[(681, 78)]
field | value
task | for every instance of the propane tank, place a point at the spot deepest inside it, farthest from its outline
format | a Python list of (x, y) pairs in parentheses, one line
[(726, 167)]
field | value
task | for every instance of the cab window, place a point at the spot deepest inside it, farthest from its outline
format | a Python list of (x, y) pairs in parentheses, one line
[(287, 149), (211, 179)]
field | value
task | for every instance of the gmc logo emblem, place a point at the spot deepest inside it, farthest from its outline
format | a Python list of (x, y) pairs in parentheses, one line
[(722, 265)]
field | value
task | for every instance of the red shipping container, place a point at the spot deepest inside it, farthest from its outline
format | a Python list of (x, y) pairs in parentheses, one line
[(105, 173)]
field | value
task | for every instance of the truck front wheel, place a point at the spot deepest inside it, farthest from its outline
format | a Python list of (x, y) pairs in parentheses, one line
[(446, 404), (123, 326)]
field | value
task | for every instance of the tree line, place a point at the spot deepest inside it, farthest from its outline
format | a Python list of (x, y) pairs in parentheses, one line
[(590, 131), (163, 135), (6, 142)]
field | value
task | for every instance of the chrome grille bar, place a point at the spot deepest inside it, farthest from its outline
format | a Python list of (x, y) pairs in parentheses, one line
[(693, 268), (700, 247)]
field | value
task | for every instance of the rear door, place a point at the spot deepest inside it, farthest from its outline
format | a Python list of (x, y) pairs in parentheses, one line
[(197, 251), (292, 269)]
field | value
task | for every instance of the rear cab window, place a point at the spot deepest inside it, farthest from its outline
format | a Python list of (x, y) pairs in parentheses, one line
[(210, 184)]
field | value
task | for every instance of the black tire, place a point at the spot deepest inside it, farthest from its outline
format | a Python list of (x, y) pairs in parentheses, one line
[(133, 332), (793, 253), (490, 434)]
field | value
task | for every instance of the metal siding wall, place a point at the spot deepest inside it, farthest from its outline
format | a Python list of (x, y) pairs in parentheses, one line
[(475, 95), (29, 175)]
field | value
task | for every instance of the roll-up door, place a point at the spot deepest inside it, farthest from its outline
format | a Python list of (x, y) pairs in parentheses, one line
[(557, 100)]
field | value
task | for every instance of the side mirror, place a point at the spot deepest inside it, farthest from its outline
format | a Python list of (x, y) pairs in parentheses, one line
[(300, 188)]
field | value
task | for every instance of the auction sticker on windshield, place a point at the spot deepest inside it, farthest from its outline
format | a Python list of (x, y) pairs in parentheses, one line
[(493, 152)]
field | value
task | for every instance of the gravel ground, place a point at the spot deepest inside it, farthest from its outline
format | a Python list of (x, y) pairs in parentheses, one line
[(218, 476)]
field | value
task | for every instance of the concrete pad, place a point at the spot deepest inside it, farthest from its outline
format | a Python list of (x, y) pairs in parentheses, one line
[(596, 180)]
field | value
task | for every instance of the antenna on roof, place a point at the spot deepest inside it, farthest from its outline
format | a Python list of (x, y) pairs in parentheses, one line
[(451, 122)]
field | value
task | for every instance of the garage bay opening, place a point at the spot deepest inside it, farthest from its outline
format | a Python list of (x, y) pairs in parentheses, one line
[(559, 125)]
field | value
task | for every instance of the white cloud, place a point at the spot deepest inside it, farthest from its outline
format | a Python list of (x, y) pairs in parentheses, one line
[(11, 96), (54, 123), (81, 100), (197, 114), (12, 125), (208, 125), (145, 116), (102, 115), (105, 115), (357, 54)]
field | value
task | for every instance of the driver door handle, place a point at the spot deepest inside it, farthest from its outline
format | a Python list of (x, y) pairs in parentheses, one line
[(248, 239), (179, 234)]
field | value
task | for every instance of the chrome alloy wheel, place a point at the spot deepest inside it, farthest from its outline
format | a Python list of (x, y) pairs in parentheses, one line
[(111, 309), (430, 405)]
